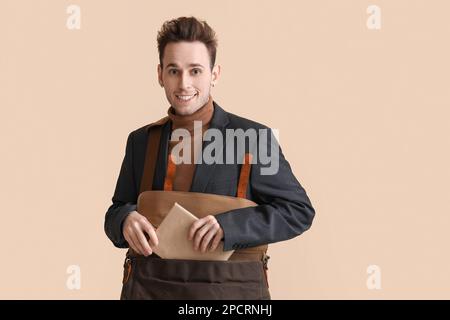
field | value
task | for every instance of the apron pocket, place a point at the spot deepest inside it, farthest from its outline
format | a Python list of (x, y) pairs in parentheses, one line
[(155, 278)]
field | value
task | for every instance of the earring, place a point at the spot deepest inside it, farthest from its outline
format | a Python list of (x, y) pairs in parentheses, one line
[(213, 84)]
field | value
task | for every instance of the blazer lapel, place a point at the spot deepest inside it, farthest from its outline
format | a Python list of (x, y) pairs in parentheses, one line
[(203, 172)]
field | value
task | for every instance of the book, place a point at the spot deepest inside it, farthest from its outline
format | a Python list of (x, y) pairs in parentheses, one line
[(173, 242)]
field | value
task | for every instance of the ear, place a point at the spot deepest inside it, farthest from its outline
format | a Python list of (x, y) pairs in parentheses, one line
[(160, 80), (215, 74)]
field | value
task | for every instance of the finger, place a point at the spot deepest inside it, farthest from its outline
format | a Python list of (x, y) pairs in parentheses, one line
[(150, 230), (146, 250), (133, 245), (127, 235), (206, 241), (199, 235), (136, 242), (195, 226), (216, 241)]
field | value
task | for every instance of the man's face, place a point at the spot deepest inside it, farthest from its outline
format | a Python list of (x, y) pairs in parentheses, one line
[(186, 75)]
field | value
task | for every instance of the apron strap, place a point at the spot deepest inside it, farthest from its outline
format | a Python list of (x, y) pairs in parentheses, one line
[(170, 174), (151, 154), (244, 176)]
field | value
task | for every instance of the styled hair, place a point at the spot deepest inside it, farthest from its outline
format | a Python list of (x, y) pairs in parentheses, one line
[(187, 29)]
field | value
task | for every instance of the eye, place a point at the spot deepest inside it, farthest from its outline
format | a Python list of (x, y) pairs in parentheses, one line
[(173, 71), (196, 71)]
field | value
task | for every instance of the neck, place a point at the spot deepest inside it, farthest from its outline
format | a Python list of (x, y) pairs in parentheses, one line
[(204, 114)]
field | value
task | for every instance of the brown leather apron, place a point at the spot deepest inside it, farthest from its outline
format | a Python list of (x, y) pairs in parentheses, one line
[(243, 276)]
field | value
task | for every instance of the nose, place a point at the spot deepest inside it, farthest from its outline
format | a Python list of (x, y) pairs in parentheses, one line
[(185, 81)]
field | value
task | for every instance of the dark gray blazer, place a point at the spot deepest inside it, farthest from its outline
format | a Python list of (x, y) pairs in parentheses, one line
[(283, 212)]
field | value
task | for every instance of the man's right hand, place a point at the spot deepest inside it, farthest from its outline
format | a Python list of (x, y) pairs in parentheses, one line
[(135, 229)]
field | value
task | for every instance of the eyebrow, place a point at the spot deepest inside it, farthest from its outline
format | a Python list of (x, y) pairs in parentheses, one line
[(191, 65)]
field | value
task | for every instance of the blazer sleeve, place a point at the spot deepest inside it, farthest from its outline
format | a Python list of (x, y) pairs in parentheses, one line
[(284, 210), (124, 199)]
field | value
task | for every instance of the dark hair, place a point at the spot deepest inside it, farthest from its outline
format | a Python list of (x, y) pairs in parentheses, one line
[(187, 29)]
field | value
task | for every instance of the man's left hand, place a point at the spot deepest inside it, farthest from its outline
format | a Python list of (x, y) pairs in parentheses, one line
[(206, 233)]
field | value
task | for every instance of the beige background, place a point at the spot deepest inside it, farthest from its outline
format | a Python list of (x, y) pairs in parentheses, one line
[(363, 118)]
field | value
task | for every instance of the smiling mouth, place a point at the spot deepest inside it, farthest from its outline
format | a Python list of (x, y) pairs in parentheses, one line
[(186, 98)]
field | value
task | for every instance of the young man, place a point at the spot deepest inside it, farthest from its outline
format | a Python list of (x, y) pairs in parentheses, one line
[(187, 72)]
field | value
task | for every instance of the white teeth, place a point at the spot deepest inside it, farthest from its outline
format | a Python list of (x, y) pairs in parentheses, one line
[(186, 98)]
